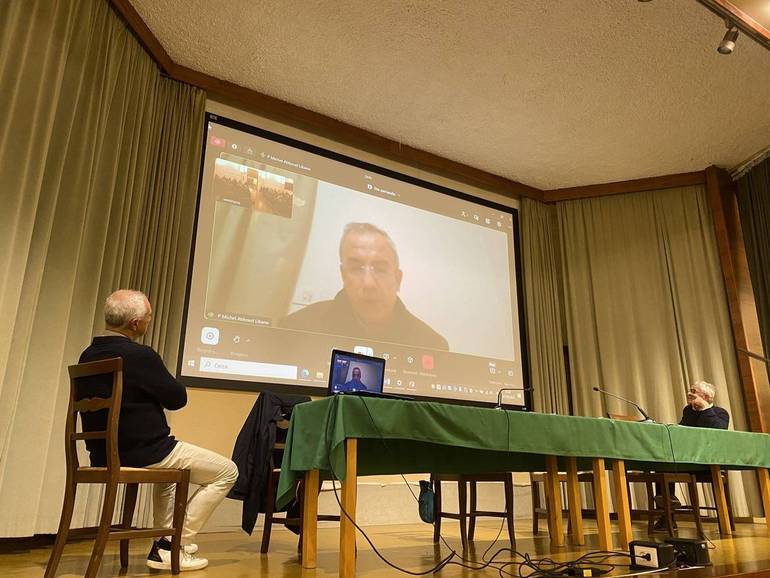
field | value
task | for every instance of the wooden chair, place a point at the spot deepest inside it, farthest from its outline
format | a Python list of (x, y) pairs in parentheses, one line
[(88, 379), (539, 510), (272, 489), (706, 479), (467, 518), (664, 480)]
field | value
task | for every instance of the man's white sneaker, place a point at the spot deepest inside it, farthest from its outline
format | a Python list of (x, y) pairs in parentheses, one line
[(160, 559), (165, 544)]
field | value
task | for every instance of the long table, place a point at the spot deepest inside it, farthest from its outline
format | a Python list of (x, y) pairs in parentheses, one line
[(349, 436)]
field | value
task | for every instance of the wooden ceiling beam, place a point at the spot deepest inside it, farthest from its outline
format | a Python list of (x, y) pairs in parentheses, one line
[(317, 123), (620, 187)]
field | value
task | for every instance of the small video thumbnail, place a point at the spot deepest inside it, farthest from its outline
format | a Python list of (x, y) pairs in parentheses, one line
[(230, 183), (245, 185), (272, 193)]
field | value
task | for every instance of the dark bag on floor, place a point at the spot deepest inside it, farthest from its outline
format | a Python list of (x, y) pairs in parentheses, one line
[(427, 502)]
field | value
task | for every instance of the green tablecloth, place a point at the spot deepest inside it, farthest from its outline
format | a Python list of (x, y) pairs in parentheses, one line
[(411, 437)]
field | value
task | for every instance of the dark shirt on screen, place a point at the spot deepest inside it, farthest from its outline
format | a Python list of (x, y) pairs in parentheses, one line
[(337, 317)]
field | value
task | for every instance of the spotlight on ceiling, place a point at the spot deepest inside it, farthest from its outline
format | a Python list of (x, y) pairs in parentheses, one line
[(728, 42)]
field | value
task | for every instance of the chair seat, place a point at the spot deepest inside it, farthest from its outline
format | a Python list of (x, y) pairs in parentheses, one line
[(496, 477), (88, 475), (659, 477)]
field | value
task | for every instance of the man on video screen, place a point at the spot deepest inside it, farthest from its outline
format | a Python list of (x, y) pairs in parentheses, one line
[(355, 383), (368, 304)]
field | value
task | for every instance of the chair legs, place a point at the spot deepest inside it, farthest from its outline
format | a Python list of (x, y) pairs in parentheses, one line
[(473, 510), (462, 498), (129, 505), (667, 513), (300, 500), (650, 507), (472, 513), (437, 508), (108, 508), (64, 528), (269, 510), (508, 486), (535, 489), (692, 489), (180, 509), (726, 484), (466, 516)]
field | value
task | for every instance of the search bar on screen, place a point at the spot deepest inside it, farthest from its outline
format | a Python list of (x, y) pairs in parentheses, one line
[(250, 368)]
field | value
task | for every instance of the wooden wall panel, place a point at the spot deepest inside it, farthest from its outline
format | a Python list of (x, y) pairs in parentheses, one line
[(740, 295)]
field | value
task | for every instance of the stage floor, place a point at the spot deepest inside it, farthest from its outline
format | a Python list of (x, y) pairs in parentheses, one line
[(236, 555)]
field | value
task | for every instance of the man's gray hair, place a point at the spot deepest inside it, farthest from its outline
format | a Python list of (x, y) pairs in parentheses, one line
[(364, 228), (123, 306), (706, 388)]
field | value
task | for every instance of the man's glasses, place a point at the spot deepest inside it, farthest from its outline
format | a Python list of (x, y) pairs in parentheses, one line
[(378, 270)]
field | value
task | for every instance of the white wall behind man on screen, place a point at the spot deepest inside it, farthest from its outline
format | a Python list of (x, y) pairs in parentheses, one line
[(456, 274)]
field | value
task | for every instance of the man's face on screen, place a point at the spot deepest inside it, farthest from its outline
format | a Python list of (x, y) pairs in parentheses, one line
[(370, 276), (357, 373)]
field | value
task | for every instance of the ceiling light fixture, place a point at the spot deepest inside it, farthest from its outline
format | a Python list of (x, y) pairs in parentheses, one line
[(728, 42)]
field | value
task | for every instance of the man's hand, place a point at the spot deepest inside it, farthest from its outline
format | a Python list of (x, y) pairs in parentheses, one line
[(698, 403)]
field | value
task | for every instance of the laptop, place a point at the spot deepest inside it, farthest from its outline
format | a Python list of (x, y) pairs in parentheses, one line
[(357, 374)]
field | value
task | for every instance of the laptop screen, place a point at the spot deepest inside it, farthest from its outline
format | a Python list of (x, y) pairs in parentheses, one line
[(354, 372)]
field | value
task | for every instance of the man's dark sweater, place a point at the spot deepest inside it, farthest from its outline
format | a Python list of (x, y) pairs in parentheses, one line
[(713, 417), (144, 437), (338, 317)]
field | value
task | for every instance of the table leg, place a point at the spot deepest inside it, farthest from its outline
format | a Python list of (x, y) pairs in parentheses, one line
[(553, 500), (721, 501), (575, 505), (347, 529), (601, 503), (310, 519), (764, 486), (623, 507)]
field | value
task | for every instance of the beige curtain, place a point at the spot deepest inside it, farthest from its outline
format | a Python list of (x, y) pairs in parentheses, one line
[(545, 337), (98, 174), (645, 306)]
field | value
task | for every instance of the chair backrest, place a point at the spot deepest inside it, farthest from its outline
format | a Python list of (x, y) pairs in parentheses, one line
[(96, 391), (623, 417)]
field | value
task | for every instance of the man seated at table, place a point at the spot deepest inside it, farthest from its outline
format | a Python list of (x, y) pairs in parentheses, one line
[(700, 411)]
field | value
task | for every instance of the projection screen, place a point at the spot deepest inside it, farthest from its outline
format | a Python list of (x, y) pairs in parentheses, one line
[(299, 250)]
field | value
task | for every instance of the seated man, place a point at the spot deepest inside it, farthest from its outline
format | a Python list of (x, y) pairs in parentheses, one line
[(355, 383), (144, 439), (700, 411)]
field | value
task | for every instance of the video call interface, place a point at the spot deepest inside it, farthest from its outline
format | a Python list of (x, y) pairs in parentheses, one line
[(299, 251), (352, 373)]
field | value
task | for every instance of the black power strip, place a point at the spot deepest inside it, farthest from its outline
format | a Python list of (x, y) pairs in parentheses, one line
[(691, 551)]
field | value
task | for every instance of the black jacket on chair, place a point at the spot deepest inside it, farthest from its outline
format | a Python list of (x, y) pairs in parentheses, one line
[(253, 452)]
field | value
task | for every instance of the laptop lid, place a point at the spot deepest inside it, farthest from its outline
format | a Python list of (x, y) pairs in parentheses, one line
[(351, 372)]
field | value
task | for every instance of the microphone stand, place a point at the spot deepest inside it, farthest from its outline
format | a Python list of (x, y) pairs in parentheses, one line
[(754, 355), (501, 390), (647, 418)]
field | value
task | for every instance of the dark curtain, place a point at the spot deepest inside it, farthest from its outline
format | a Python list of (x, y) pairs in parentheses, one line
[(754, 209)]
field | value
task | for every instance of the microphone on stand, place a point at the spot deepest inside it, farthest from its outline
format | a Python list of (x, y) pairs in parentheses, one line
[(500, 394), (754, 355), (647, 418)]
